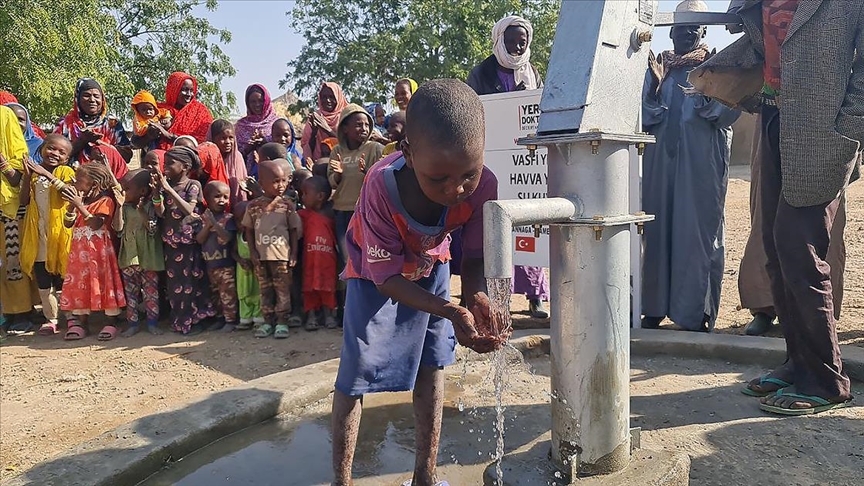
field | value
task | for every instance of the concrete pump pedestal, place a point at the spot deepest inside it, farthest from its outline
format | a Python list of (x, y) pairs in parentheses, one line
[(530, 464)]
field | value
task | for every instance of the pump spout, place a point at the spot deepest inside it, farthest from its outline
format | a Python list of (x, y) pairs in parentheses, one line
[(499, 218)]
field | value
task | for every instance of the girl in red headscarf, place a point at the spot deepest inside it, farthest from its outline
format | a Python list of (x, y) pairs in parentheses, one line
[(322, 124), (190, 116)]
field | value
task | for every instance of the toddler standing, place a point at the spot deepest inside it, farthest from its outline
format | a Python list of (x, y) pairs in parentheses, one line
[(45, 239), (271, 222), (92, 281), (140, 257), (248, 293), (319, 254), (216, 238)]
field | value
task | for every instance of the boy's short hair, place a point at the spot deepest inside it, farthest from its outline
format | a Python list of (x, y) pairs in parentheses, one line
[(448, 113), (56, 137), (272, 151), (399, 116), (218, 126), (211, 186), (320, 184), (137, 178)]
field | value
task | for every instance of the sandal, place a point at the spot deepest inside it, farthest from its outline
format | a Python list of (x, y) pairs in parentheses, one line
[(74, 333), (818, 404), (20, 327), (244, 326), (764, 393), (48, 329), (263, 331), (281, 331), (295, 321), (107, 333)]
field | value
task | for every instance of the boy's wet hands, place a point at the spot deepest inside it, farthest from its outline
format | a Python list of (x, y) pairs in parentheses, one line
[(473, 328)]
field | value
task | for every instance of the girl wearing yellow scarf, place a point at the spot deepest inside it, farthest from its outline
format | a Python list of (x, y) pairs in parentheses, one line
[(46, 240), (15, 290)]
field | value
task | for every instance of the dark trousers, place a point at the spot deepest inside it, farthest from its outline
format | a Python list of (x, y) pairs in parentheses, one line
[(796, 242)]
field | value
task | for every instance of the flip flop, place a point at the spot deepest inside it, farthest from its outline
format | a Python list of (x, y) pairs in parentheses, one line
[(48, 329), (20, 327), (822, 405), (107, 333), (765, 379), (74, 333), (263, 331), (281, 331)]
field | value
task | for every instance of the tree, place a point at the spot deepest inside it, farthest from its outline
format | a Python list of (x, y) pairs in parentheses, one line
[(366, 45), (126, 45)]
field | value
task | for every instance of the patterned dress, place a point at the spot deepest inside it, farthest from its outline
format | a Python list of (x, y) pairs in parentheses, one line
[(188, 291), (92, 281)]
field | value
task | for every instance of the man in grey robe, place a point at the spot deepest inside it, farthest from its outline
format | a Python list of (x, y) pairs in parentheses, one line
[(685, 175)]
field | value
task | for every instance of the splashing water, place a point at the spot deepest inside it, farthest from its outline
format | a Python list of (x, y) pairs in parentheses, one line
[(499, 297)]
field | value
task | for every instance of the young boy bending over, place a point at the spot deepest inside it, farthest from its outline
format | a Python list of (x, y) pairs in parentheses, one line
[(399, 323)]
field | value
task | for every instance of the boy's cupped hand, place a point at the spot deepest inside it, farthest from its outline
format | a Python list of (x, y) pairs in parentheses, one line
[(473, 328)]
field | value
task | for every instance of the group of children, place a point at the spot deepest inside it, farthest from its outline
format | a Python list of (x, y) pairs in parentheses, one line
[(267, 236), (266, 241)]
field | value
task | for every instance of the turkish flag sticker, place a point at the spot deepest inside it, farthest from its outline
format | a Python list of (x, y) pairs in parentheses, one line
[(525, 243)]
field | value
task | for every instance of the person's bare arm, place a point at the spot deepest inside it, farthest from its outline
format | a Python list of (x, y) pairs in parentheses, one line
[(181, 203), (12, 175), (204, 232)]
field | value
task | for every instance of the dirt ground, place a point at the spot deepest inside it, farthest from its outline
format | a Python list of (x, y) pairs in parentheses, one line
[(55, 394)]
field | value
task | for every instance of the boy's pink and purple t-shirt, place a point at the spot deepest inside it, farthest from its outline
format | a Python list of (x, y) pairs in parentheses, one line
[(383, 240)]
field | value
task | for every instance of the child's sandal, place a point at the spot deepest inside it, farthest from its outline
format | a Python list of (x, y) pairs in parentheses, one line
[(263, 331), (281, 331), (75, 332), (48, 329)]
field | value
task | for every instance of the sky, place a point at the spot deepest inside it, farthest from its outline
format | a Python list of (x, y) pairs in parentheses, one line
[(263, 42)]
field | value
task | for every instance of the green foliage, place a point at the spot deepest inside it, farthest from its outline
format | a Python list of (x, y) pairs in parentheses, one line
[(366, 45), (126, 45)]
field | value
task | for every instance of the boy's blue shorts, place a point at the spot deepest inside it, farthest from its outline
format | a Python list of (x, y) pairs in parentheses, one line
[(385, 342)]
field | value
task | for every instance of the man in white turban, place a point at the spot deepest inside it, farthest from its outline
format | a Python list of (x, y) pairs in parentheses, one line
[(509, 69)]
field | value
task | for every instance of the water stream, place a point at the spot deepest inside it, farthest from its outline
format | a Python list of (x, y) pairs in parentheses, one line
[(499, 297)]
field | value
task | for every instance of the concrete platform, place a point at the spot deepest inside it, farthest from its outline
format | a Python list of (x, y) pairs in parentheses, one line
[(530, 465), (131, 452)]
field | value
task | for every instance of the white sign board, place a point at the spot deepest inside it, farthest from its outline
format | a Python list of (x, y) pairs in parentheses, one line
[(510, 116)]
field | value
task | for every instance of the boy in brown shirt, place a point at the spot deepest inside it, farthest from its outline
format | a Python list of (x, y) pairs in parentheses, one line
[(272, 223)]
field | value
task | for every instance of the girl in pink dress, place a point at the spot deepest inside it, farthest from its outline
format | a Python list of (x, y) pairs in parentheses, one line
[(92, 281)]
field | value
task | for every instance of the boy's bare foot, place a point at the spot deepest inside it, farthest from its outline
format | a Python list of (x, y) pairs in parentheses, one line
[(130, 331), (228, 327)]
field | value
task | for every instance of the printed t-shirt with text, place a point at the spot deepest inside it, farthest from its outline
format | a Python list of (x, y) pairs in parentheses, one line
[(383, 240), (271, 219)]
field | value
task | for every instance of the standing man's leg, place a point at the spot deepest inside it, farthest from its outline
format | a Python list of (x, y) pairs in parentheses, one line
[(770, 186), (803, 237)]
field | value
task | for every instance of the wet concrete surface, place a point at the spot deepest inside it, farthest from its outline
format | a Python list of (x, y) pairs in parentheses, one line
[(682, 405)]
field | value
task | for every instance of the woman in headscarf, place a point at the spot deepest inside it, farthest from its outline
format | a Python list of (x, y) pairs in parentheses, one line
[(190, 116), (509, 69), (322, 124), (15, 288), (89, 122), (254, 129), (212, 166), (403, 91), (6, 98), (33, 141)]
